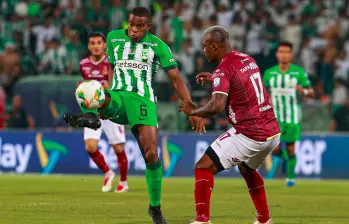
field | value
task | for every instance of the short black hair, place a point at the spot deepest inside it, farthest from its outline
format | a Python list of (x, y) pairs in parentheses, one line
[(221, 34), (96, 34), (286, 43), (141, 12)]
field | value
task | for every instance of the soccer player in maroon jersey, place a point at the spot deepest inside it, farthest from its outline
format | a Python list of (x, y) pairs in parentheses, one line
[(237, 88), (96, 67)]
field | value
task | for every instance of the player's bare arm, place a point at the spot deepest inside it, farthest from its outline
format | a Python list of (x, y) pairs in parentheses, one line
[(183, 92), (213, 107), (307, 92)]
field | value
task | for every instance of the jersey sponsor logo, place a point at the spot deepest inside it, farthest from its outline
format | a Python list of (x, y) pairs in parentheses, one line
[(145, 53), (217, 73), (250, 66), (150, 44), (244, 60), (232, 115), (216, 82), (264, 108), (118, 40), (130, 64), (95, 72)]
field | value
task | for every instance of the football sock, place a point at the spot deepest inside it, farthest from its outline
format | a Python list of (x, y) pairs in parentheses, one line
[(153, 176), (204, 183), (123, 165), (291, 166), (255, 185), (98, 158)]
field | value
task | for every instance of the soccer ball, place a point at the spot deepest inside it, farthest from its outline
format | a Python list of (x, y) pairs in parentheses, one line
[(90, 94)]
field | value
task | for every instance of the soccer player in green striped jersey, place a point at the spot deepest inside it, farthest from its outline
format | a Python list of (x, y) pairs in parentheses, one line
[(287, 83), (136, 56)]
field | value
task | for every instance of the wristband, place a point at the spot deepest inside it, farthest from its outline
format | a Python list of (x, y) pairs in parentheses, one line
[(305, 92)]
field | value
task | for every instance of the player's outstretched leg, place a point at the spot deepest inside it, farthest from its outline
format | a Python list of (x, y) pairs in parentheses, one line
[(123, 167), (147, 138), (255, 186), (291, 163), (88, 120)]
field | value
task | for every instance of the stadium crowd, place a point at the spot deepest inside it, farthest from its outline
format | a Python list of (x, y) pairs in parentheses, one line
[(49, 37)]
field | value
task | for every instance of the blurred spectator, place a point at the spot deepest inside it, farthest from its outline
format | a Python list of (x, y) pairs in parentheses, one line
[(54, 60), (206, 10), (271, 35), (339, 97), (44, 32), (254, 42), (186, 57), (9, 67), (342, 66), (237, 33), (97, 18), (18, 117), (117, 15), (340, 120), (293, 33), (74, 52), (327, 68), (224, 15), (308, 59), (196, 34)]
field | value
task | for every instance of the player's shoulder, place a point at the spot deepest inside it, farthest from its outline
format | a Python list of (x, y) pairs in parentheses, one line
[(271, 70), (154, 41), (297, 70), (120, 33), (85, 61)]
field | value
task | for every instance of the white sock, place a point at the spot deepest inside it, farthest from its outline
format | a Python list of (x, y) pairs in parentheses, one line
[(123, 183), (109, 173)]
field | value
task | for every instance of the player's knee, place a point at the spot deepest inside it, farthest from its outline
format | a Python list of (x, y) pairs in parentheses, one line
[(152, 156), (291, 149), (118, 148), (91, 147)]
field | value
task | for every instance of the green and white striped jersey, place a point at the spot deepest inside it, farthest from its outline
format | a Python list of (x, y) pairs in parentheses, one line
[(284, 95), (135, 64)]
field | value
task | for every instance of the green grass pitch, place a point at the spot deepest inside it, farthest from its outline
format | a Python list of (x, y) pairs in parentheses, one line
[(78, 199)]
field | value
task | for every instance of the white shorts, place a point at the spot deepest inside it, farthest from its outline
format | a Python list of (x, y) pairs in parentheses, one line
[(233, 149), (115, 132)]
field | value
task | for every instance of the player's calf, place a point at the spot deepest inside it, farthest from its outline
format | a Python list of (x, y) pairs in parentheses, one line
[(255, 184)]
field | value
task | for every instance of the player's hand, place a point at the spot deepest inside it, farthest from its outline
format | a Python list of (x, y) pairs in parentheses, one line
[(186, 107), (197, 124), (203, 77), (105, 85), (300, 90)]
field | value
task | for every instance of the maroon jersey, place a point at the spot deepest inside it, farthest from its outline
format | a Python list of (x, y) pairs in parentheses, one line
[(91, 70), (248, 106)]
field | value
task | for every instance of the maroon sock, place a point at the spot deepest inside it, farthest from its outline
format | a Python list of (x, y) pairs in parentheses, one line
[(255, 185), (123, 165), (98, 158), (203, 188)]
